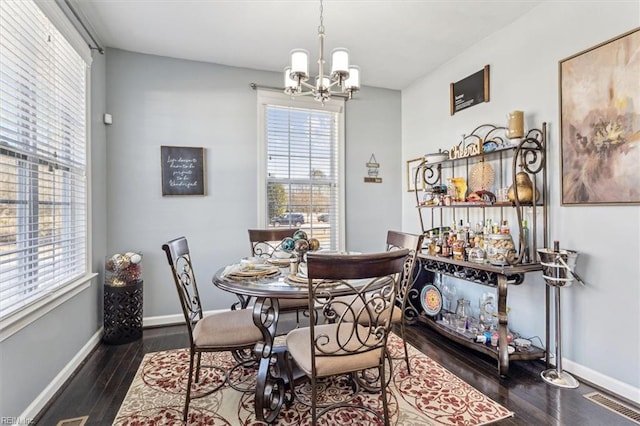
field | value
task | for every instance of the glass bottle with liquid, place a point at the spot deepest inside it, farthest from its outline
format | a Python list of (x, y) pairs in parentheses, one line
[(526, 257)]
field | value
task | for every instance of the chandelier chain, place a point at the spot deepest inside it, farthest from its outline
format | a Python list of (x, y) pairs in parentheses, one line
[(321, 27)]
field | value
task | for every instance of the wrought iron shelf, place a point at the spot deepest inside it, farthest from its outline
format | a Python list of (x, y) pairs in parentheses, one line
[(466, 340), (480, 273), (475, 205), (527, 155)]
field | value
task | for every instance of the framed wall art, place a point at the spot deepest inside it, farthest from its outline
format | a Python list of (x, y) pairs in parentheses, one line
[(469, 91), (412, 169), (182, 170), (600, 123)]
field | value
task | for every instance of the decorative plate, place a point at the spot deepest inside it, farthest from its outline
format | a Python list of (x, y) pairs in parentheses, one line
[(431, 299), (489, 146), (263, 272), (481, 176), (304, 282), (279, 262)]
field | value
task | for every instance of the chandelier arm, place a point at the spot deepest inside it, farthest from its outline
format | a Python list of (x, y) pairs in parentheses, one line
[(335, 83), (307, 85)]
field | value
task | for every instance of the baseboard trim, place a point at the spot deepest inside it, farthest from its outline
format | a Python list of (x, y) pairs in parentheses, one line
[(607, 383), (163, 320), (56, 384)]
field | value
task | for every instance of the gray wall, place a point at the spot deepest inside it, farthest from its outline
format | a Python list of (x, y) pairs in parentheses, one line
[(158, 101), (601, 337), (373, 127)]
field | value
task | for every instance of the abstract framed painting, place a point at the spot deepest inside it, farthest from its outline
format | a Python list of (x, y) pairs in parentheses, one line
[(600, 123)]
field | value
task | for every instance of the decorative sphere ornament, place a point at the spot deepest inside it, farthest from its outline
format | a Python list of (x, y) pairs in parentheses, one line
[(117, 282), (288, 244), (109, 266), (134, 258), (120, 261), (300, 235), (301, 246), (314, 244)]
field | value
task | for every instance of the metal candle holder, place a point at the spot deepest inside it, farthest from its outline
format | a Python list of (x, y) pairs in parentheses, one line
[(557, 270)]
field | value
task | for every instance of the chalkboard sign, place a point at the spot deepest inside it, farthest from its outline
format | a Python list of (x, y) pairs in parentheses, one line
[(182, 170), (470, 91)]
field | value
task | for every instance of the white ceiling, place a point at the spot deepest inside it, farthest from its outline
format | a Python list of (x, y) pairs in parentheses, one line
[(393, 42)]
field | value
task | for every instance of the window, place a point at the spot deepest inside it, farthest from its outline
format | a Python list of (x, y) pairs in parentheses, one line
[(43, 167), (301, 167)]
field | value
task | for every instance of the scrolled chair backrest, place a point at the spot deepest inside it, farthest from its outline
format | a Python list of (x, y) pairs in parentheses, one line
[(265, 242), (179, 259), (348, 287), (401, 240)]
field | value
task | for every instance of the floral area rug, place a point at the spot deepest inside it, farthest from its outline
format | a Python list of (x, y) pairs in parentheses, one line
[(430, 395)]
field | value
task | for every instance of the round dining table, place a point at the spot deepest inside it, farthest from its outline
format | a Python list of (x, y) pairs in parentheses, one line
[(273, 375)]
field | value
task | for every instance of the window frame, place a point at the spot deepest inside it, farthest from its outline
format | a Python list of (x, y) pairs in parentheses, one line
[(269, 97), (57, 296)]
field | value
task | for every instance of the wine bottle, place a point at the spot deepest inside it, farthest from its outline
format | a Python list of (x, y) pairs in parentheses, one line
[(525, 243)]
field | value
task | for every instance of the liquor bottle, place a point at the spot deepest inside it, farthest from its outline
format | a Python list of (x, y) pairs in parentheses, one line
[(446, 248), (430, 243), (504, 228), (467, 245), (437, 248), (525, 242), (457, 248), (460, 231), (488, 228)]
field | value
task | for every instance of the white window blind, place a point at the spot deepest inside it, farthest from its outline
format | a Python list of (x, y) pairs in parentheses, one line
[(302, 177), (43, 194)]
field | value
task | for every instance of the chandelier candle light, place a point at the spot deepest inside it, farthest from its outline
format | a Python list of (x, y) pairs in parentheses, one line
[(344, 76)]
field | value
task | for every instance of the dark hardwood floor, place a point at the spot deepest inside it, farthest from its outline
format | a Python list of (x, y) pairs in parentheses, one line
[(99, 385)]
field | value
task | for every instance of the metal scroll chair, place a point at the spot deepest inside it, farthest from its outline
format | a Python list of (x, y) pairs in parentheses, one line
[(401, 240), (342, 345), (232, 330), (265, 243)]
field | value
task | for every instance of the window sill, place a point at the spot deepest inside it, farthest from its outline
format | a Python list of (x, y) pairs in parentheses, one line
[(29, 314)]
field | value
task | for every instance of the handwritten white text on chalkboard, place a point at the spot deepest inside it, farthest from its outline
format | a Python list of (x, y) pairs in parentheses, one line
[(182, 172)]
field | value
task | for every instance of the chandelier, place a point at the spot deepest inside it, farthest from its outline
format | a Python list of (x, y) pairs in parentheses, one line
[(343, 77)]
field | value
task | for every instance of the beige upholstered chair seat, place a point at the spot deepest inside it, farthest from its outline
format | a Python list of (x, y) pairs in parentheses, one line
[(232, 329), (339, 363), (292, 304)]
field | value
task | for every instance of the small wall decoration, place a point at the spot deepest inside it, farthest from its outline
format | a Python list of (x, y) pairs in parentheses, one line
[(600, 123), (182, 170), (413, 167), (470, 91), (372, 173)]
